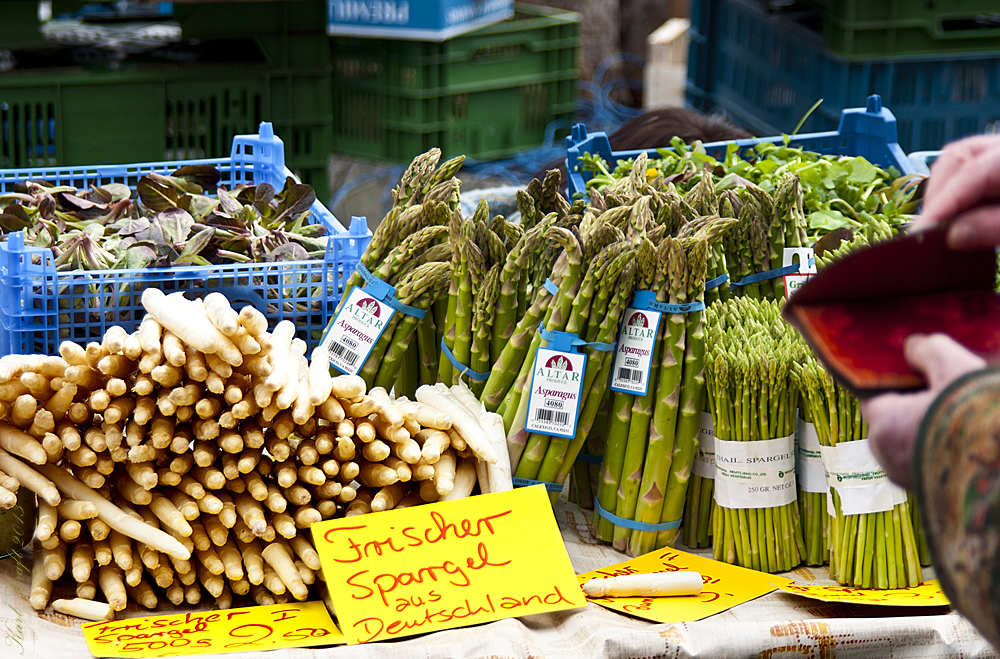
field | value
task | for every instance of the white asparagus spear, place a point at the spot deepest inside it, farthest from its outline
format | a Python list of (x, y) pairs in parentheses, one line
[(658, 584), (320, 380), (465, 480), (462, 420), (30, 478), (21, 444), (86, 609), (190, 324), (114, 516), (499, 473)]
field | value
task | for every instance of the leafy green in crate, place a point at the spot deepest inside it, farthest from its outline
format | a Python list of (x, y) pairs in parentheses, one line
[(838, 191), (171, 221)]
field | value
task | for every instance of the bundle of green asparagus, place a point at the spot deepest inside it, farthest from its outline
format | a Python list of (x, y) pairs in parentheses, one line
[(547, 249), (699, 506), (813, 488), (872, 541), (875, 549), (753, 402), (769, 223), (491, 280), (593, 315), (410, 250)]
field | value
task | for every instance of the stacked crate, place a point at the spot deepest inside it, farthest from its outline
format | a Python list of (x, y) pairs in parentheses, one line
[(936, 64), (486, 94), (239, 63)]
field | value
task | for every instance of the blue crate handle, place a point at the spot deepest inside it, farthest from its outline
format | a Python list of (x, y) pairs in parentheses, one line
[(869, 132)]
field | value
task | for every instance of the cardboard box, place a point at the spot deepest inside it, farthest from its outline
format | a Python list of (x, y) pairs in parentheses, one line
[(666, 64), (419, 20)]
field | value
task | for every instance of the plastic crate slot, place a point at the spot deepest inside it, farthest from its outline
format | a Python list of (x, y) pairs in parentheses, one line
[(459, 106), (536, 106), (986, 23), (969, 83)]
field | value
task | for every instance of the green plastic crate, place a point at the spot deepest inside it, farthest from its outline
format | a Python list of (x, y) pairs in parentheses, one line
[(140, 114), (486, 94), (861, 29), (288, 32), (20, 27)]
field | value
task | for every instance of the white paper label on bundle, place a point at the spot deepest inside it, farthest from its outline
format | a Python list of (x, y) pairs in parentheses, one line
[(755, 474), (635, 351), (704, 458), (554, 401), (800, 255), (831, 507), (860, 482), (355, 331), (809, 459)]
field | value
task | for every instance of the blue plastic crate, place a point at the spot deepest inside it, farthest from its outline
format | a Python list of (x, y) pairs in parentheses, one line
[(40, 307), (766, 70), (419, 20), (869, 132)]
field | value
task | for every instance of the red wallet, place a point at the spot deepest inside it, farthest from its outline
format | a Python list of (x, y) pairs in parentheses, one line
[(857, 312)]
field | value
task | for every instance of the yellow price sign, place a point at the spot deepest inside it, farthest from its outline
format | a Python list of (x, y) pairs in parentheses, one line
[(298, 625), (445, 565), (928, 593), (725, 586)]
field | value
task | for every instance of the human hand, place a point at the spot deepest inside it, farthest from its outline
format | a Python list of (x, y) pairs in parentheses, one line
[(893, 419), (964, 188)]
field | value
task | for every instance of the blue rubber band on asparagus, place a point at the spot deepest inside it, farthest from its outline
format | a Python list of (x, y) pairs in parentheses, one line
[(790, 269), (568, 342), (632, 524), (647, 300), (527, 482), (387, 293), (462, 368), (718, 281)]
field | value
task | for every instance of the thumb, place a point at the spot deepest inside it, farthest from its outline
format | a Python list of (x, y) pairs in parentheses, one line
[(940, 358)]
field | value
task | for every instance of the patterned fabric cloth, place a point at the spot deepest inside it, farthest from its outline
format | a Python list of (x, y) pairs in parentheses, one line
[(776, 625)]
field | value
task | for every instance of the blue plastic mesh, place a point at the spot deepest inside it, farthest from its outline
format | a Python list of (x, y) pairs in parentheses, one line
[(40, 307)]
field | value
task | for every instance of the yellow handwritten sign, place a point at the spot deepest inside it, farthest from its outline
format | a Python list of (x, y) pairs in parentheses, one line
[(445, 565), (928, 593), (725, 586), (298, 625)]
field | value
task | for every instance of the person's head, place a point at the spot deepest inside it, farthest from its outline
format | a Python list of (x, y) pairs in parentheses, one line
[(656, 128)]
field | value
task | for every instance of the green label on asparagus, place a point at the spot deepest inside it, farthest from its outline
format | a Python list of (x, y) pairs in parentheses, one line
[(859, 479), (554, 400), (635, 350), (756, 474), (355, 331), (704, 459)]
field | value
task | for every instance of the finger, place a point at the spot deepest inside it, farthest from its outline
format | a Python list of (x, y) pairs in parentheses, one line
[(976, 228), (893, 420), (953, 157), (940, 358), (974, 181)]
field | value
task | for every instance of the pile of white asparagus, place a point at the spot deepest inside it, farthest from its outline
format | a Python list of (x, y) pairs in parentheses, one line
[(192, 456)]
